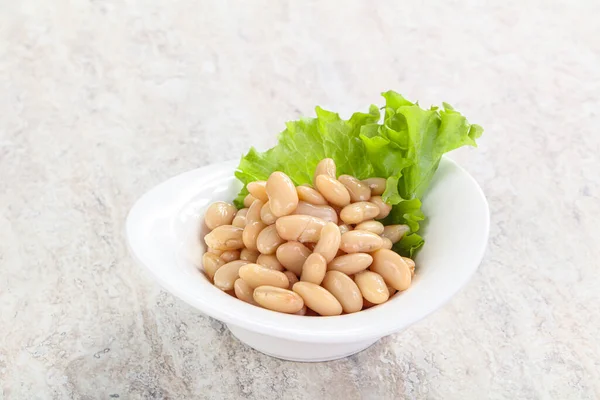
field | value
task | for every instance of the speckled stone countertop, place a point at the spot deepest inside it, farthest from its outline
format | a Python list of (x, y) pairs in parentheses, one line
[(102, 100)]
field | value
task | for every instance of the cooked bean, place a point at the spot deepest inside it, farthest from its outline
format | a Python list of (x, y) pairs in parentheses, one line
[(302, 311), (219, 213), (302, 228), (384, 208), (392, 291), (215, 251), (243, 291), (360, 241), (256, 275), (266, 215), (292, 278), (329, 242), (325, 167), (333, 190), (343, 288), (358, 190), (372, 286), (227, 274), (314, 269), (258, 189), (392, 268), (395, 232), (248, 200), (326, 213), (356, 213), (211, 263), (283, 198), (310, 195), (249, 255), (230, 255), (254, 225), (269, 261), (225, 237), (344, 228), (292, 256), (240, 218), (278, 299), (372, 226), (411, 265), (350, 263), (377, 185), (318, 298), (268, 240), (387, 243)]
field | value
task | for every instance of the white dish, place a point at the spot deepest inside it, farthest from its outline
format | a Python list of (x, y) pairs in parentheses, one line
[(165, 230)]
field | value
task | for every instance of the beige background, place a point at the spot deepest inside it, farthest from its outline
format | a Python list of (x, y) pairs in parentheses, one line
[(101, 100)]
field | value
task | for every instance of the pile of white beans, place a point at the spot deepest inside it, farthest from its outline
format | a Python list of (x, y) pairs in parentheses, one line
[(307, 250)]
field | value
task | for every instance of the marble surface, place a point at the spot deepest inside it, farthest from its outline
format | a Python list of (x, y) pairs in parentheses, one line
[(101, 100)]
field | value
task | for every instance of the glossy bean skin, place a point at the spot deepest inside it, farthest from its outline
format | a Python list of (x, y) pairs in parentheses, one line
[(248, 200), (395, 232), (240, 218), (292, 256), (411, 265), (333, 191), (266, 215), (325, 167), (377, 185), (356, 213), (326, 213), (372, 286), (292, 278), (227, 274), (393, 269), (211, 263), (283, 198), (256, 275), (258, 189), (357, 189), (350, 264), (311, 196), (329, 241), (269, 261), (387, 243), (372, 226), (225, 237), (314, 269), (215, 251), (301, 228), (318, 299), (230, 255), (244, 292), (360, 242), (278, 299), (384, 208), (254, 225), (219, 213), (268, 240), (249, 255), (344, 228), (344, 289)]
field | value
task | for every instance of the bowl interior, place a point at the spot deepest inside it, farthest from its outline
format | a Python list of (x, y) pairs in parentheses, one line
[(165, 230)]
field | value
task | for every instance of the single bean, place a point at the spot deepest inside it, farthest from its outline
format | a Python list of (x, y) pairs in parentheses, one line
[(256, 275), (372, 226), (372, 286), (326, 213), (278, 299), (230, 255), (240, 218), (356, 213), (219, 213), (258, 189), (384, 208), (249, 255), (283, 198), (310, 195), (333, 190), (325, 167), (411, 264), (360, 241), (318, 298), (266, 215), (292, 256), (244, 292), (395, 232), (329, 242), (268, 240), (269, 261), (211, 263), (392, 268), (248, 200), (344, 228), (350, 263), (292, 278), (377, 185), (254, 225), (387, 243), (227, 274), (314, 269), (225, 237), (343, 288), (301, 228), (358, 190)]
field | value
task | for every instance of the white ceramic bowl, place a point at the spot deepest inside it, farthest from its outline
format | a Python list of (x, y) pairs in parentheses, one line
[(164, 231)]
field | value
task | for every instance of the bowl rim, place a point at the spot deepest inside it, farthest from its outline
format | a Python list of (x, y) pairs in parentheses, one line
[(367, 324)]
